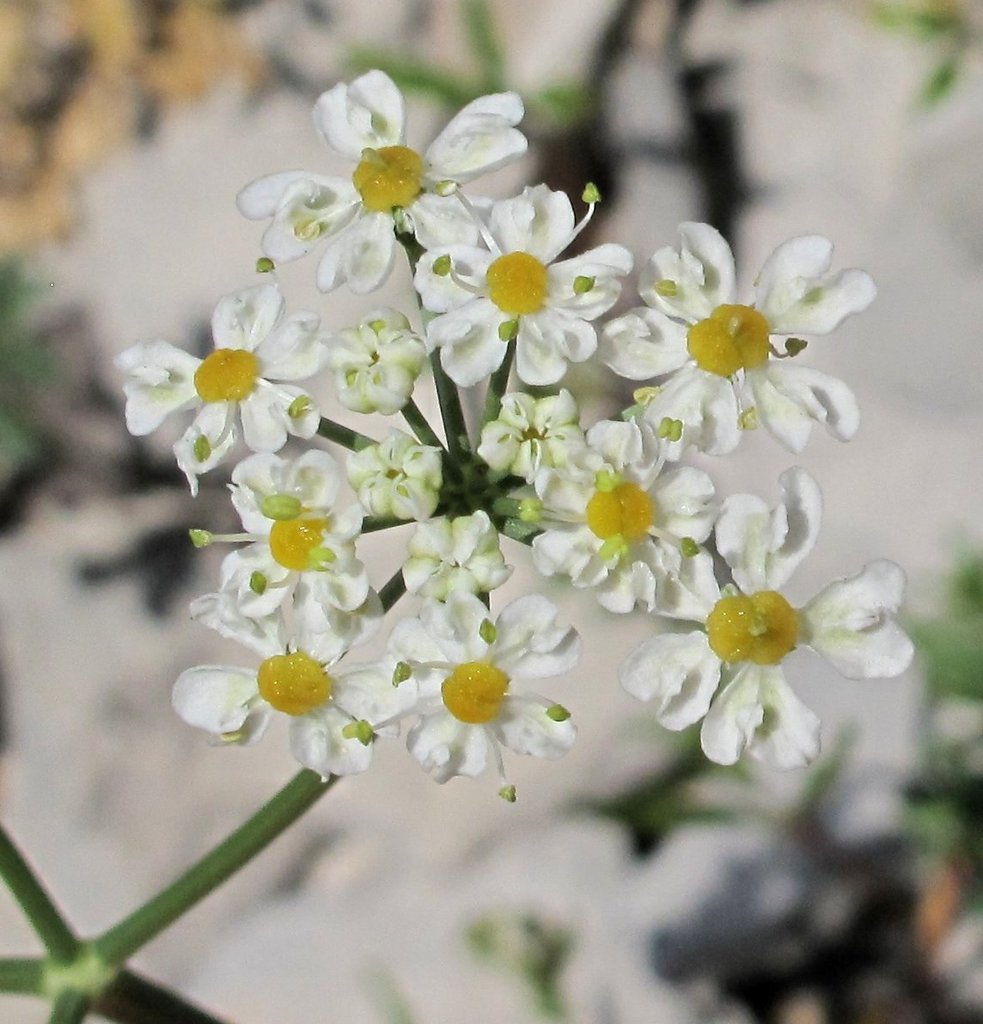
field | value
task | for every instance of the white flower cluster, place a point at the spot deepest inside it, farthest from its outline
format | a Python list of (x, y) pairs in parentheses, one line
[(610, 507)]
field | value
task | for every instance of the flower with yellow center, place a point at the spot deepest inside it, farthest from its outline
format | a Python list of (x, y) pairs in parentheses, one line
[(298, 532), (723, 367), (729, 672), (471, 671), (393, 188), (612, 520), (335, 710), (248, 380), (518, 289)]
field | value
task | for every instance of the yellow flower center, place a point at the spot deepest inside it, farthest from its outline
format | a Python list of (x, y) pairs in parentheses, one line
[(732, 338), (625, 511), (293, 540), (762, 628), (517, 283), (474, 692), (293, 683), (388, 177), (227, 375)]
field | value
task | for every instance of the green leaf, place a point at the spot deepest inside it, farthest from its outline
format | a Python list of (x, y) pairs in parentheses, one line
[(416, 76), (482, 37), (941, 82), (566, 103)]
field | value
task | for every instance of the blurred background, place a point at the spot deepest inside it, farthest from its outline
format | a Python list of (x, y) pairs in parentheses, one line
[(632, 881)]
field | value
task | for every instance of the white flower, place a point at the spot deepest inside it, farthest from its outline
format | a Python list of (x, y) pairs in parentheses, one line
[(392, 186), (532, 433), (729, 672), (255, 345), (288, 508), (455, 555), (466, 667), (376, 364), (715, 351), (397, 478), (333, 711), (518, 291), (613, 521)]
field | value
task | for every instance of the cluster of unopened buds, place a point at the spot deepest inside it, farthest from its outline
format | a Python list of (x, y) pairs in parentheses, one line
[(611, 508)]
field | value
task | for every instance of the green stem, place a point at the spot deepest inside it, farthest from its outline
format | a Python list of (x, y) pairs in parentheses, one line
[(419, 425), (345, 436), (497, 386), (370, 524), (21, 975), (251, 838), (393, 590), (70, 1008), (451, 412), (132, 999), (44, 916)]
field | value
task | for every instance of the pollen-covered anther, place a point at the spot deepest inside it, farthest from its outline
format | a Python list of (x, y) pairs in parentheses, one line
[(227, 375), (731, 338), (294, 542), (389, 177), (762, 627), (625, 511), (293, 683), (473, 692), (517, 283)]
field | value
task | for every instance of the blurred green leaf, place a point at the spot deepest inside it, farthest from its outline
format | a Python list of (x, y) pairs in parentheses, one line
[(952, 656), (479, 29), (922, 20), (941, 82), (416, 77), (566, 103)]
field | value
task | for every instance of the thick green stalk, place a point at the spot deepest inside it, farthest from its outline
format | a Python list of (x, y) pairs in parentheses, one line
[(497, 385), (345, 436), (132, 999), (393, 590), (419, 425), (148, 921), (44, 916), (70, 1007), (22, 975), (451, 411)]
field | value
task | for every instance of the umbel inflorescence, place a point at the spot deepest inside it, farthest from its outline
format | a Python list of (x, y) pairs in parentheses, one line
[(612, 507)]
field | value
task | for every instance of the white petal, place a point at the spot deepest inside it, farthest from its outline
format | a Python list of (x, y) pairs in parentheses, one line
[(763, 546), (539, 221), (790, 398), (482, 137), (605, 265), (797, 295), (547, 341), (316, 741), (264, 418), (470, 348), (216, 422), (529, 644), (446, 747), (618, 442), (367, 692), (261, 198), (644, 343), (311, 209), (361, 254), (327, 632), (524, 727), (440, 293), (368, 113), (296, 350), (160, 380), (684, 500), (758, 711), (687, 588), (702, 271), (707, 406), (244, 318), (215, 698), (851, 622), (455, 626), (439, 221), (676, 670)]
